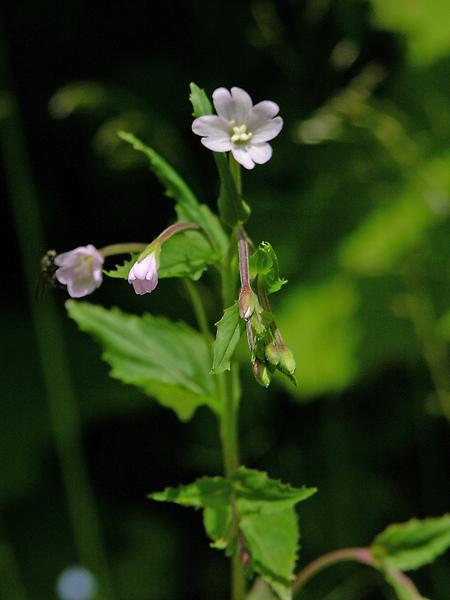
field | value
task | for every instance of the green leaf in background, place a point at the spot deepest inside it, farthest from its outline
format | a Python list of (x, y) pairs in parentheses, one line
[(424, 24), (412, 544), (264, 263), (168, 361), (444, 325), (229, 331), (186, 254), (265, 512), (320, 327), (187, 205), (232, 207)]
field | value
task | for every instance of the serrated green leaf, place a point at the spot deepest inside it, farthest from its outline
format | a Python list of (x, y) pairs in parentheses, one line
[(187, 206), (168, 361), (264, 263), (264, 509), (413, 544), (257, 492), (186, 254), (210, 493), (272, 540), (121, 271), (229, 330)]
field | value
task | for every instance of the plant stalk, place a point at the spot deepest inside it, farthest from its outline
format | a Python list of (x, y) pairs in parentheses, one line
[(361, 555), (230, 402)]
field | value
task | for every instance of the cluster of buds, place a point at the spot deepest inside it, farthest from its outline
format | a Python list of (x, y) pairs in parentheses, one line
[(267, 348)]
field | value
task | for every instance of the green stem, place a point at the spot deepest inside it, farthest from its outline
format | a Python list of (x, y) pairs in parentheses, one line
[(230, 403), (199, 309), (361, 555), (235, 170), (50, 343)]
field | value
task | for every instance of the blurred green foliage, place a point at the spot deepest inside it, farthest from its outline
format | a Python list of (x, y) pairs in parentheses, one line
[(356, 203)]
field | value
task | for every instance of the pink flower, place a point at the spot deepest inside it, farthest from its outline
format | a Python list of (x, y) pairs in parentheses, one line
[(144, 273), (240, 127), (80, 270)]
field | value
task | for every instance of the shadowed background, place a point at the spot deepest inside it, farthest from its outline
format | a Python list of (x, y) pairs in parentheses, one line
[(355, 200)]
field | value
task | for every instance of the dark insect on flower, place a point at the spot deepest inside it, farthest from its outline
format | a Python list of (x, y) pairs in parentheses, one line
[(47, 276)]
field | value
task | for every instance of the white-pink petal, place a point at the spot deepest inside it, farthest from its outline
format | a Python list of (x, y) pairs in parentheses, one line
[(210, 125), (262, 112), (223, 103), (242, 156), (217, 143), (267, 130), (143, 275), (242, 104), (260, 153)]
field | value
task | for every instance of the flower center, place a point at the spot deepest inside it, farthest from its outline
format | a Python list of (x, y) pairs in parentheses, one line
[(87, 263), (240, 134)]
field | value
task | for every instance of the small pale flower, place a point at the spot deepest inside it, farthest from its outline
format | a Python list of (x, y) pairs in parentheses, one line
[(144, 273), (80, 270), (240, 127)]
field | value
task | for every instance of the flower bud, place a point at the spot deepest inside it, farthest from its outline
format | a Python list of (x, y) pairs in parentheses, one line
[(247, 302), (272, 354), (287, 363), (261, 373), (144, 273)]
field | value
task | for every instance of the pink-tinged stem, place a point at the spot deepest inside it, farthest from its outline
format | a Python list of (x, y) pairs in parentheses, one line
[(407, 582), (174, 229), (127, 248), (361, 555), (133, 247), (243, 259)]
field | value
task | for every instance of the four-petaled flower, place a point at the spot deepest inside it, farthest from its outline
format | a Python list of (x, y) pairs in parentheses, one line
[(240, 127), (144, 273), (80, 270)]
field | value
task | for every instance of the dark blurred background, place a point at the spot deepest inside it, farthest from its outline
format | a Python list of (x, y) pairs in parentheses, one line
[(356, 202)]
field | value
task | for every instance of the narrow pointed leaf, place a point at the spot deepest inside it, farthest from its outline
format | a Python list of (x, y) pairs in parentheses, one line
[(229, 330), (187, 205), (201, 104)]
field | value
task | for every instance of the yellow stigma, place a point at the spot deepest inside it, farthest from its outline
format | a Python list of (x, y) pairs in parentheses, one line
[(240, 134)]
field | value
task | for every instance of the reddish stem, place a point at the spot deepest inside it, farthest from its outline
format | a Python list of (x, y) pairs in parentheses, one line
[(361, 555)]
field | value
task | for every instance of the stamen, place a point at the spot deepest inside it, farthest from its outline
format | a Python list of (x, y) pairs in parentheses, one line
[(240, 134)]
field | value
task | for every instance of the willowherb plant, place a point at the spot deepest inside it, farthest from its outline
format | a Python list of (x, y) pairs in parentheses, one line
[(245, 513)]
